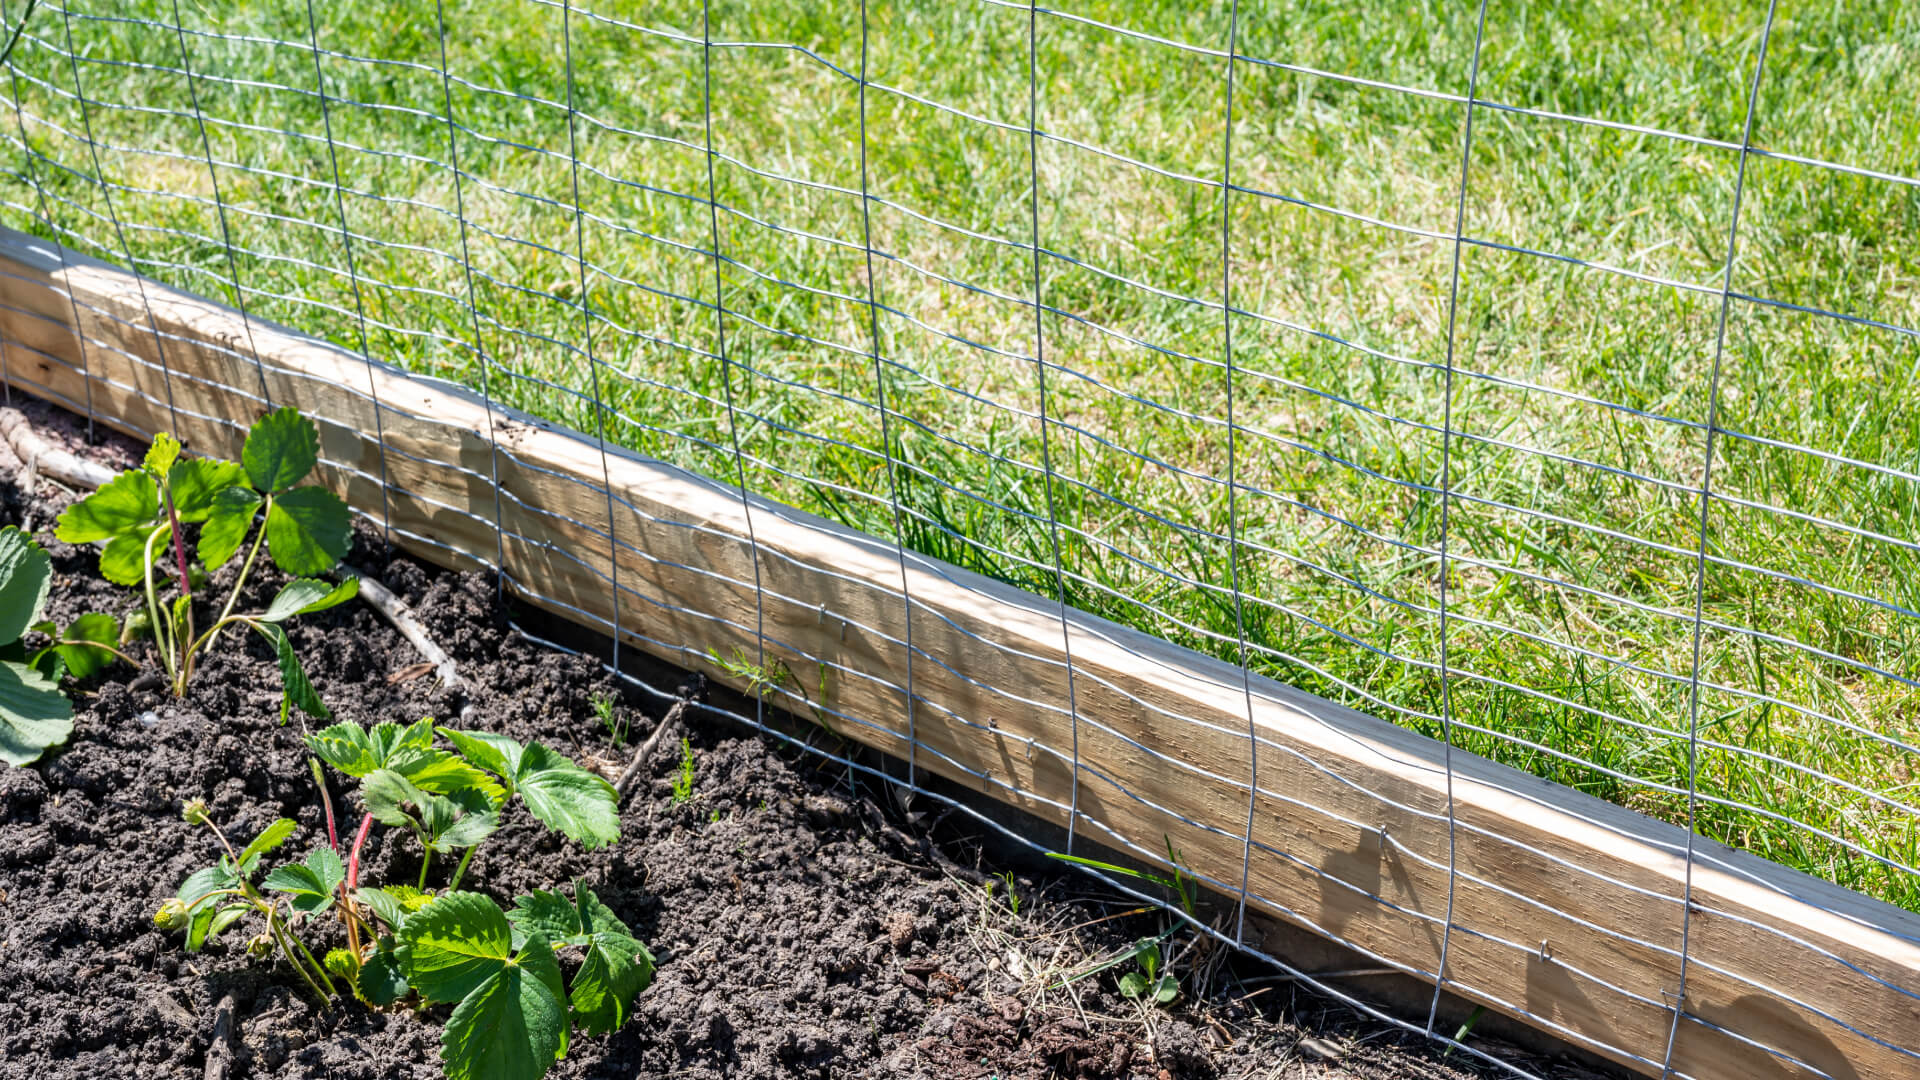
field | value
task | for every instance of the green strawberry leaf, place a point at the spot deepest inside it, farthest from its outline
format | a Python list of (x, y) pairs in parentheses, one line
[(295, 689), (616, 966), (47, 663), (228, 521), (281, 449), (206, 882), (407, 750), (346, 747), (511, 1020), (385, 906), (513, 1026), (311, 884), (34, 715), (197, 484), (270, 837), (83, 661), (209, 921), (443, 773), (26, 573), (124, 560), (161, 455), (226, 917), (451, 946), (392, 799), (304, 596), (126, 502), (497, 754), (564, 796), (392, 740), (568, 798), (459, 819), (380, 982), (308, 530)]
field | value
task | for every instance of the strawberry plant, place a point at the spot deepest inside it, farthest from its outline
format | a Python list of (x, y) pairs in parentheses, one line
[(34, 715), (139, 518), (213, 899), (512, 1016)]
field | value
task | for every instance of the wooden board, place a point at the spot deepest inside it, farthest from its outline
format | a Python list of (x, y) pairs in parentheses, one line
[(1565, 910)]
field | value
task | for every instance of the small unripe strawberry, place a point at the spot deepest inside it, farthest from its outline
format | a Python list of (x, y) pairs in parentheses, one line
[(172, 916)]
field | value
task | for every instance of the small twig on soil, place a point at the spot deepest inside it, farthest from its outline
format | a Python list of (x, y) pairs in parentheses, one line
[(220, 1049), (671, 720), (42, 458), (396, 611)]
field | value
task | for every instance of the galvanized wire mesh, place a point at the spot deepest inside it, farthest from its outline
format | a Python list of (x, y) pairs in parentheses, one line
[(1410, 407)]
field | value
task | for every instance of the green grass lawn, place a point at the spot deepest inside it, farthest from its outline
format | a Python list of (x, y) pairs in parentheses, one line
[(1579, 397)]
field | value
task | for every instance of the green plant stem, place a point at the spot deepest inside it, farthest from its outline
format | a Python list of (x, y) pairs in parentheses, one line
[(246, 568), (186, 587), (96, 645), (319, 969), (462, 868), (287, 947), (326, 803), (161, 637), (426, 860), (207, 638)]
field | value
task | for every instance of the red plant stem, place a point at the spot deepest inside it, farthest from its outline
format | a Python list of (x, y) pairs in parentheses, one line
[(326, 803), (333, 830), (179, 548), (353, 860)]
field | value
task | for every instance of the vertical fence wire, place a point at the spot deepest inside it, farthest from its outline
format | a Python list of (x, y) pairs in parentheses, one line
[(219, 204), (480, 353), (880, 402), (1446, 500), (353, 273), (1700, 557), (727, 363), (120, 232), (586, 321), (1233, 482), (1040, 374), (32, 172)]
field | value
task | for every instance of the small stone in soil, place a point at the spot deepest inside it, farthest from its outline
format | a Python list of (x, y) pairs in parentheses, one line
[(900, 930)]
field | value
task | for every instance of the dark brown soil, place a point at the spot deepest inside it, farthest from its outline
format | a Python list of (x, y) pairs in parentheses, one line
[(803, 929)]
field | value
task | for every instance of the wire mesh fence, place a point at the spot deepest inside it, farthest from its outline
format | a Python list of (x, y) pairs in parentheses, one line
[(1539, 380)]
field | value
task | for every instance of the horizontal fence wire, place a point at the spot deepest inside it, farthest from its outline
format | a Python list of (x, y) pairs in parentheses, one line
[(956, 276)]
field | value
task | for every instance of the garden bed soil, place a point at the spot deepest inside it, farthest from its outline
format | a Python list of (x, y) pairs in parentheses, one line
[(803, 927)]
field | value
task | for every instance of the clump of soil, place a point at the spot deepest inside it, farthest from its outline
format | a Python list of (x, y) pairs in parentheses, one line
[(802, 929)]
